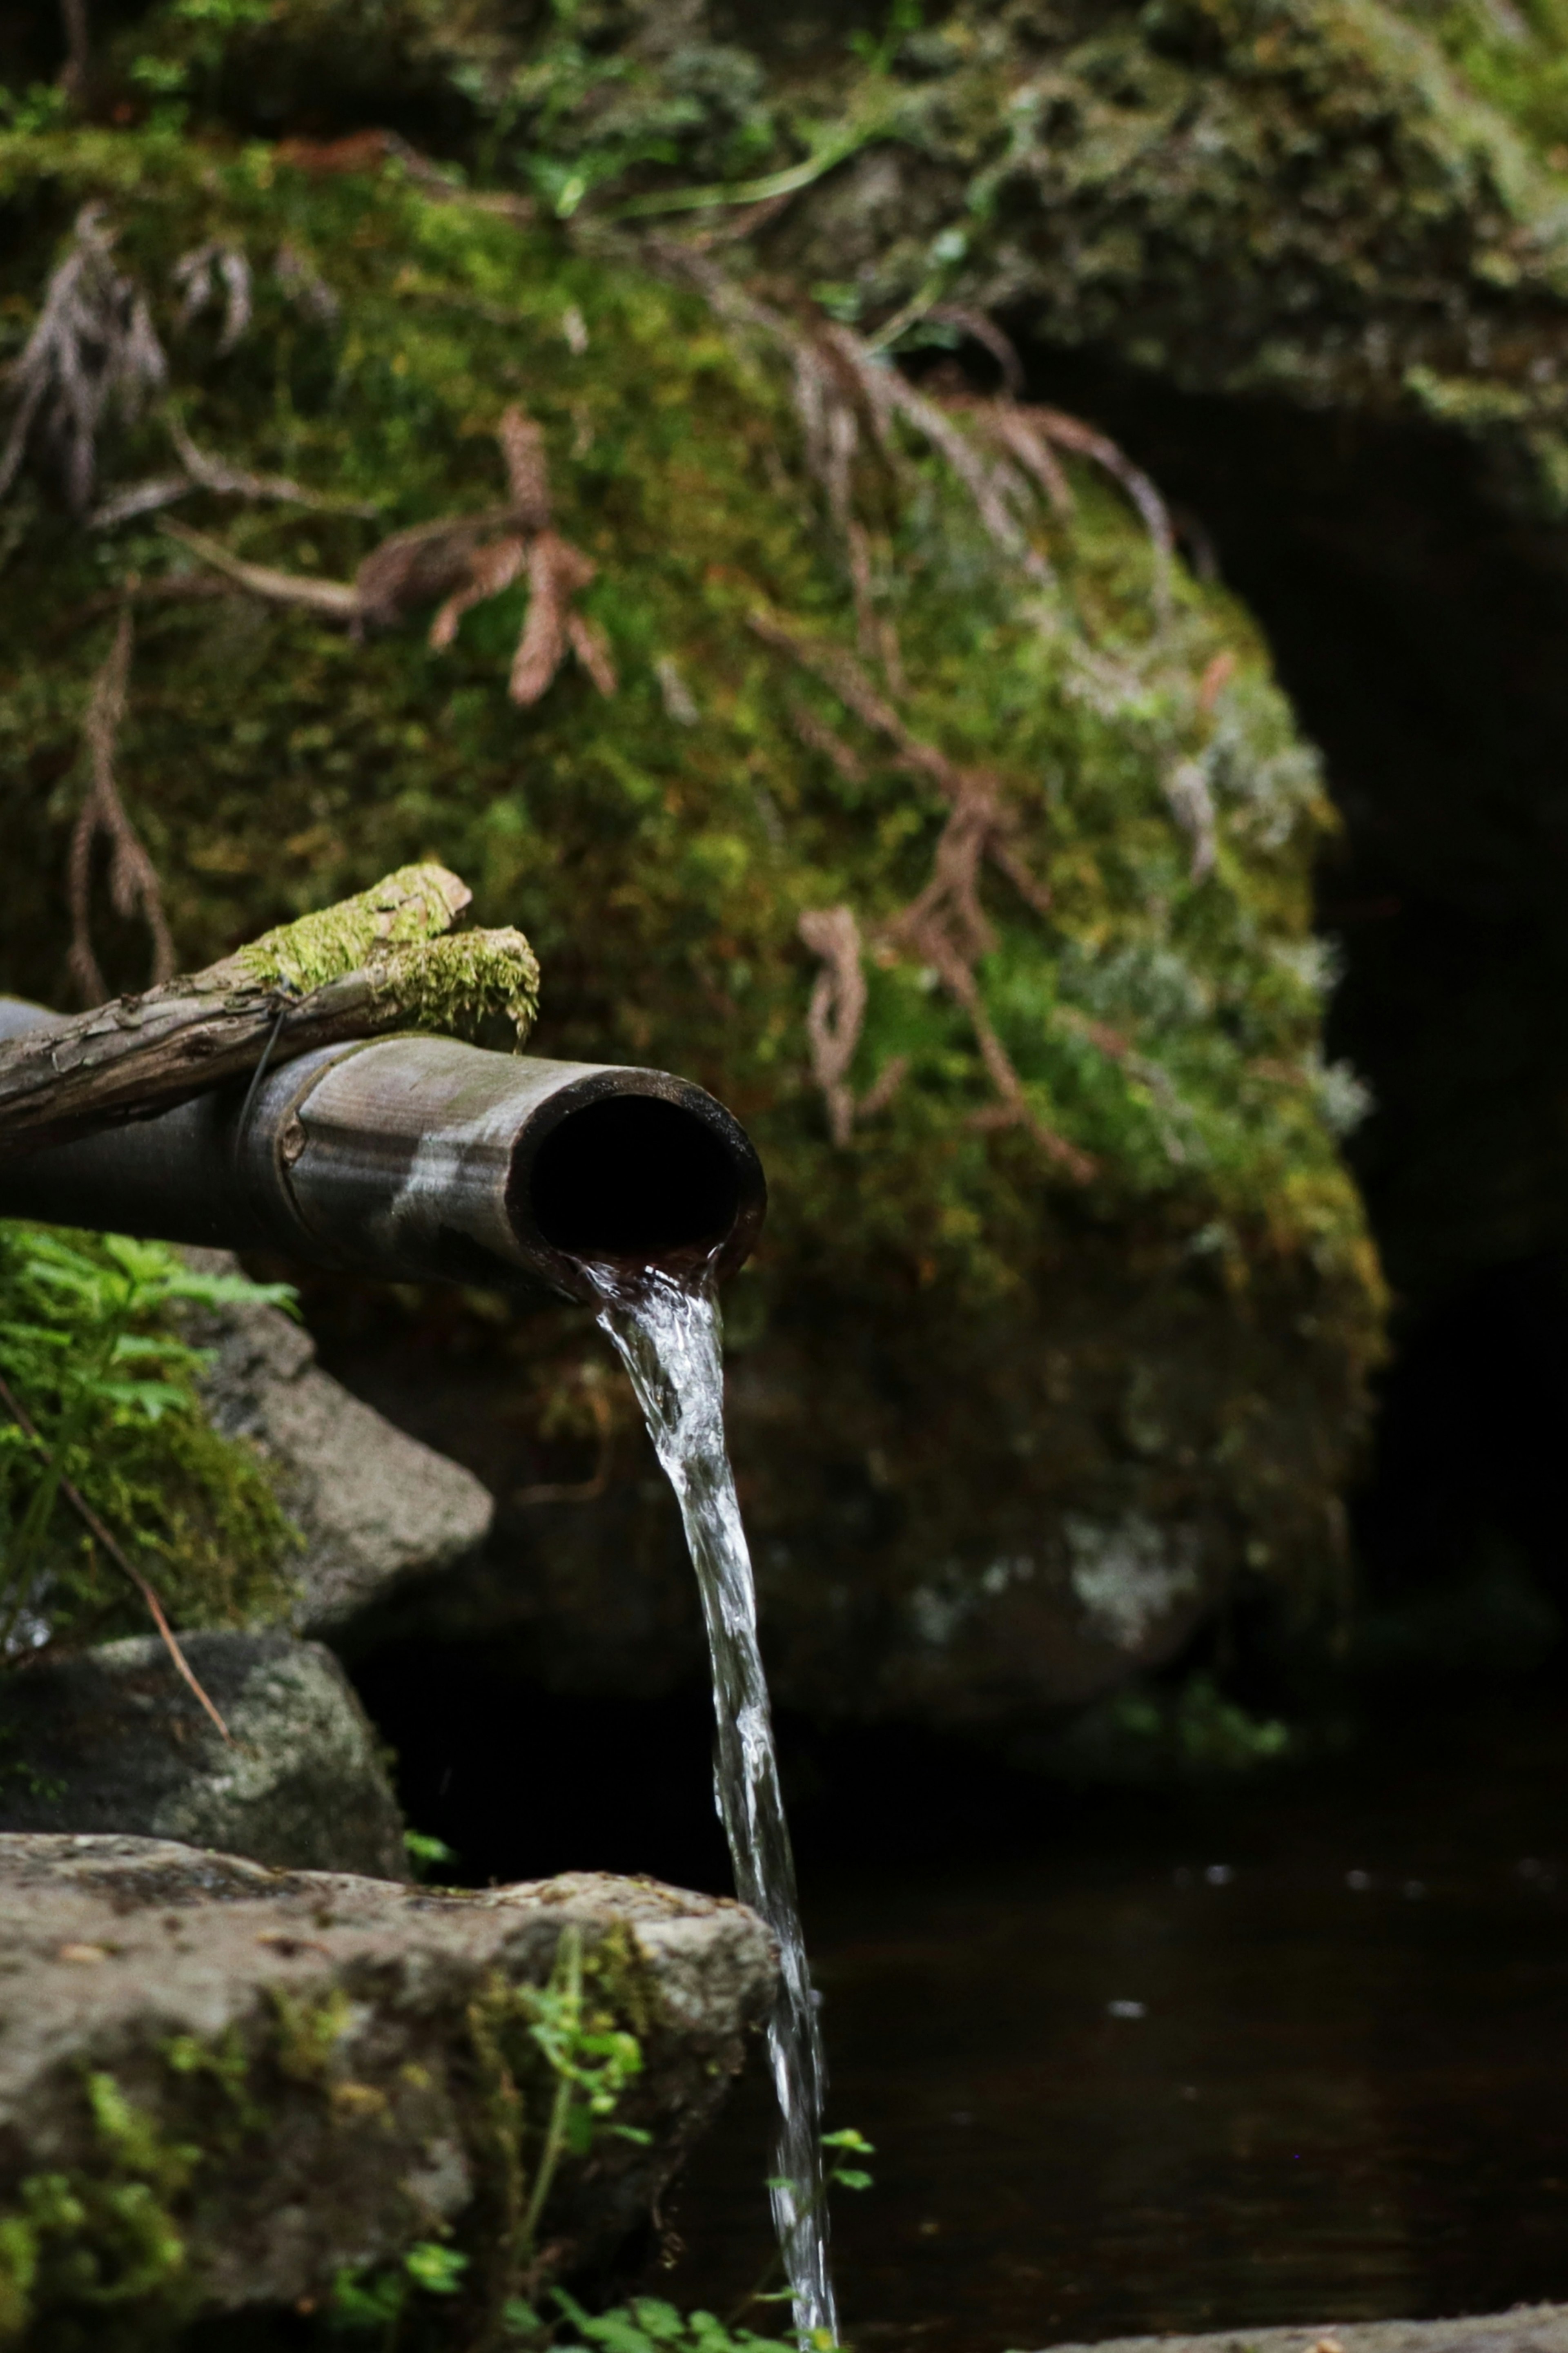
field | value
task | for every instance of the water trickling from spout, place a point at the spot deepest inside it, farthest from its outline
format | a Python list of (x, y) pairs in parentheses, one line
[(668, 1339)]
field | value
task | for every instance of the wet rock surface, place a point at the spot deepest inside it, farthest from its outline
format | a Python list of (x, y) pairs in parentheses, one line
[(1527, 2328), (281, 2072), (114, 1741), (375, 1506)]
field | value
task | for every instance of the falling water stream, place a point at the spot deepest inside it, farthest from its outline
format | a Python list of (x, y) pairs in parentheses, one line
[(668, 1339)]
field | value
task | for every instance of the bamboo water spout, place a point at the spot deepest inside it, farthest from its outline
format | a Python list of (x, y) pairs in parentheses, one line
[(418, 1158)]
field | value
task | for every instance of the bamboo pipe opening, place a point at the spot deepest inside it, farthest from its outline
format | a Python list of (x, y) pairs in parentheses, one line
[(633, 1177), (416, 1157)]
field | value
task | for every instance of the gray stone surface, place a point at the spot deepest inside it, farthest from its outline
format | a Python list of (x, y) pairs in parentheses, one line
[(114, 1740), (375, 1507), (1527, 2328), (355, 2117)]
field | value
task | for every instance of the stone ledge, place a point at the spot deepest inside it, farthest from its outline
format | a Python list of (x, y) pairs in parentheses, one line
[(307, 2041), (1524, 2328)]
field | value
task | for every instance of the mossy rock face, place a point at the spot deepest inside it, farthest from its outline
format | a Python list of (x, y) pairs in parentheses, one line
[(1030, 1366), (1338, 202), (230, 2092)]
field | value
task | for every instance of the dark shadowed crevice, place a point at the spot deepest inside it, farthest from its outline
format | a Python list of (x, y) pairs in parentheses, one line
[(1421, 629)]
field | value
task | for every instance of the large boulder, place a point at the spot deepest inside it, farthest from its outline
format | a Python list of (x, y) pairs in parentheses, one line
[(221, 2086), (114, 1740), (910, 794)]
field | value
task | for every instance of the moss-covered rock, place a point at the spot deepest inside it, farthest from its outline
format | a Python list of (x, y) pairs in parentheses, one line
[(229, 2091), (1341, 201), (114, 1741), (904, 791)]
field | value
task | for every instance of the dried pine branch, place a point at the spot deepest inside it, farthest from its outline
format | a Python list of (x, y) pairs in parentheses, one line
[(839, 380), (983, 330), (200, 274), (133, 885), (944, 927), (204, 471), (454, 562), (93, 347), (838, 1009)]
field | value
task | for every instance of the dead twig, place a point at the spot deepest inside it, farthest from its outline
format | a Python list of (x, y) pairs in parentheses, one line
[(77, 69), (838, 1009), (817, 736), (133, 885), (455, 562), (983, 330), (101, 1535), (94, 345), (204, 471), (944, 927), (200, 274), (1031, 434), (337, 600)]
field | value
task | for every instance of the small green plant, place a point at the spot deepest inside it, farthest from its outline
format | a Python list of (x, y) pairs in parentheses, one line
[(564, 2039), (878, 50), (647, 2325), (103, 2235), (426, 1855), (43, 106), (379, 2300), (840, 2149), (99, 1396)]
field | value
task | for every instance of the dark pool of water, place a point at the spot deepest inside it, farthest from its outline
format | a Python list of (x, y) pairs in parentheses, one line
[(1300, 2053), (1336, 2086)]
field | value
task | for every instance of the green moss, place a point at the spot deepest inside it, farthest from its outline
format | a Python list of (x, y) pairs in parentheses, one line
[(108, 2249), (1302, 197), (456, 984), (660, 845), (309, 2032), (411, 907), (98, 2246), (91, 1350), (459, 984)]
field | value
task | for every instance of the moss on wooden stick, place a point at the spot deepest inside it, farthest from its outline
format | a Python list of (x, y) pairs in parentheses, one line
[(385, 959)]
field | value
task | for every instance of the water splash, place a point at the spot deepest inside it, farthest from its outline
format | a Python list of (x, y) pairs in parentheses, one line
[(668, 1339)]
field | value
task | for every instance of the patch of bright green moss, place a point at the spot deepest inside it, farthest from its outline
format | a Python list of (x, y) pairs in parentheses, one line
[(91, 1352)]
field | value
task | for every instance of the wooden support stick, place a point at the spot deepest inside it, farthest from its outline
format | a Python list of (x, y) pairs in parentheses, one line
[(371, 964)]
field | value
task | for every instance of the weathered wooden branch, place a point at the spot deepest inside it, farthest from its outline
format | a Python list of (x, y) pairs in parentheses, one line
[(374, 963)]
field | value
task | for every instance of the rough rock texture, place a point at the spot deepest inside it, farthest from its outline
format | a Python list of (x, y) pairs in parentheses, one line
[(374, 1506), (114, 1740), (1526, 2328), (275, 2074)]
